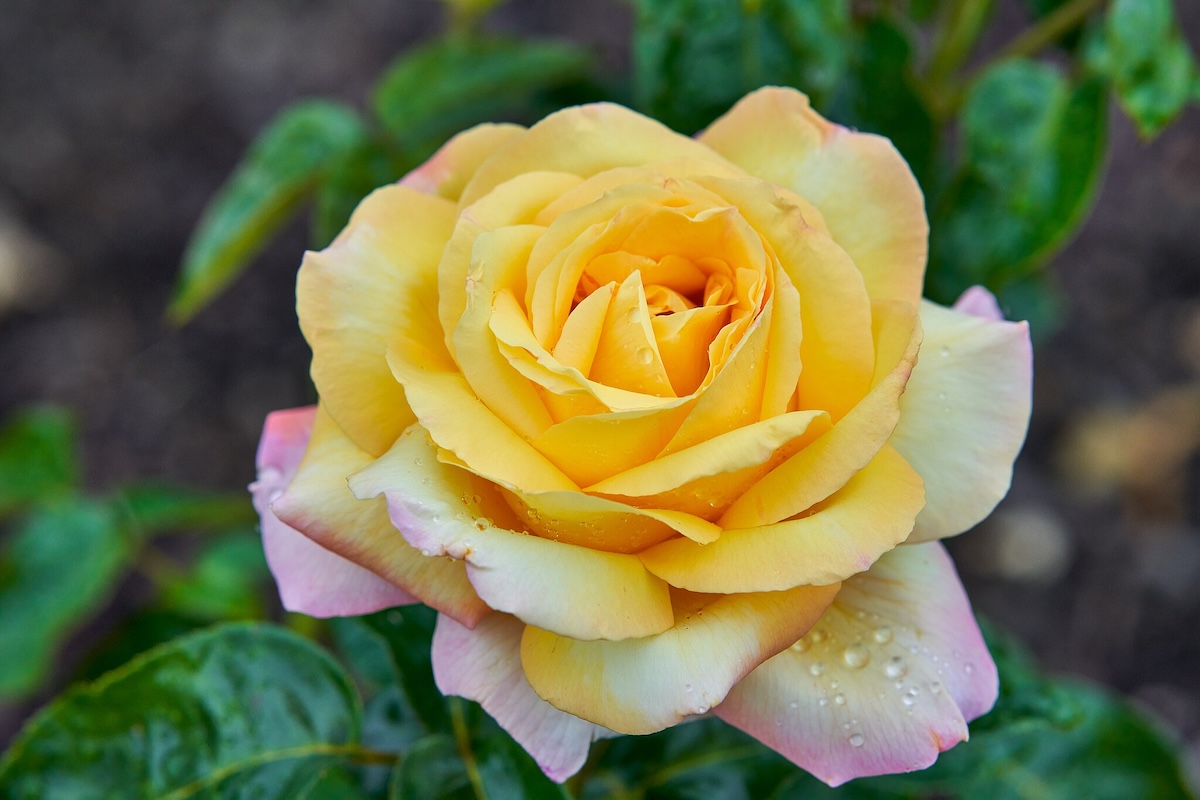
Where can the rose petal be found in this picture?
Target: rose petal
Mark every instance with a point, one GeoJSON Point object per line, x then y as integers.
{"type": "Point", "coordinates": [886, 680]}
{"type": "Point", "coordinates": [350, 297]}
{"type": "Point", "coordinates": [311, 579]}
{"type": "Point", "coordinates": [647, 684]}
{"type": "Point", "coordinates": [484, 665]}
{"type": "Point", "coordinates": [827, 464]}
{"type": "Point", "coordinates": [979, 302]}
{"type": "Point", "coordinates": [585, 140]}
{"type": "Point", "coordinates": [319, 505]}
{"type": "Point", "coordinates": [447, 172]}
{"type": "Point", "coordinates": [964, 415]}
{"type": "Point", "coordinates": [861, 184]}
{"type": "Point", "coordinates": [868, 516]}
{"type": "Point", "coordinates": [442, 509]}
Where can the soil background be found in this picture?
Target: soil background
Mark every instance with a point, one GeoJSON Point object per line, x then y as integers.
{"type": "Point", "coordinates": [120, 118]}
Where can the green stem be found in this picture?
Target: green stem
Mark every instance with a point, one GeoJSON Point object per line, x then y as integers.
{"type": "Point", "coordinates": [1033, 40]}
{"type": "Point", "coordinates": [962, 24]}
{"type": "Point", "coordinates": [462, 737]}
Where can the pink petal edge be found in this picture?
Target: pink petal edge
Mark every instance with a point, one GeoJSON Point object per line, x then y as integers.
{"type": "Point", "coordinates": [484, 665]}
{"type": "Point", "coordinates": [787, 708]}
{"type": "Point", "coordinates": [311, 579]}
{"type": "Point", "coordinates": [979, 302]}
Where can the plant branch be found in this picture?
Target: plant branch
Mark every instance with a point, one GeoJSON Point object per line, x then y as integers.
{"type": "Point", "coordinates": [462, 737]}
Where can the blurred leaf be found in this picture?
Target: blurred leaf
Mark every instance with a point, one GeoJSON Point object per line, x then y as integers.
{"type": "Point", "coordinates": [437, 90]}
{"type": "Point", "coordinates": [281, 169]}
{"type": "Point", "coordinates": [881, 98]}
{"type": "Point", "coordinates": [393, 648]}
{"type": "Point", "coordinates": [432, 770]}
{"type": "Point", "coordinates": [225, 582]}
{"type": "Point", "coordinates": [365, 168]}
{"type": "Point", "coordinates": [57, 569]}
{"type": "Point", "coordinates": [1038, 299]}
{"type": "Point", "coordinates": [38, 457]}
{"type": "Point", "coordinates": [1033, 153]}
{"type": "Point", "coordinates": [1148, 60]}
{"type": "Point", "coordinates": [694, 58]}
{"type": "Point", "coordinates": [156, 508]}
{"type": "Point", "coordinates": [234, 711]}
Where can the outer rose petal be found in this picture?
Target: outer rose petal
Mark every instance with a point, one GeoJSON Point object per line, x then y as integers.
{"type": "Point", "coordinates": [311, 579]}
{"type": "Point", "coordinates": [349, 298]}
{"type": "Point", "coordinates": [887, 679]}
{"type": "Point", "coordinates": [318, 503]}
{"type": "Point", "coordinates": [484, 665]}
{"type": "Point", "coordinates": [979, 302]}
{"type": "Point", "coordinates": [964, 415]}
{"type": "Point", "coordinates": [447, 172]}
{"type": "Point", "coordinates": [645, 685]}
{"type": "Point", "coordinates": [442, 509]}
{"type": "Point", "coordinates": [860, 183]}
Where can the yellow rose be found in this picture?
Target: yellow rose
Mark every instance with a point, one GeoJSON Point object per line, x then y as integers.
{"type": "Point", "coordinates": [661, 426]}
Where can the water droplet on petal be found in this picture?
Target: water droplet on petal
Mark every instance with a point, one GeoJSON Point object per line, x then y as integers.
{"type": "Point", "coordinates": [801, 646]}
{"type": "Point", "coordinates": [895, 667]}
{"type": "Point", "coordinates": [687, 687]}
{"type": "Point", "coordinates": [645, 355]}
{"type": "Point", "coordinates": [839, 699]}
{"type": "Point", "coordinates": [482, 523]}
{"type": "Point", "coordinates": [823, 702]}
{"type": "Point", "coordinates": [883, 635]}
{"type": "Point", "coordinates": [935, 687]}
{"type": "Point", "coordinates": [818, 636]}
{"type": "Point", "coordinates": [857, 740]}
{"type": "Point", "coordinates": [856, 655]}
{"type": "Point", "coordinates": [945, 352]}
{"type": "Point", "coordinates": [418, 461]}
{"type": "Point", "coordinates": [816, 669]}
{"type": "Point", "coordinates": [968, 668]}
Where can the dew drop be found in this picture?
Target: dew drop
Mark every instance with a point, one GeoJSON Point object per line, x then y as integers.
{"type": "Point", "coordinates": [839, 699]}
{"type": "Point", "coordinates": [883, 635]}
{"type": "Point", "coordinates": [968, 668]}
{"type": "Point", "coordinates": [818, 636]}
{"type": "Point", "coordinates": [476, 499]}
{"type": "Point", "coordinates": [823, 702]}
{"type": "Point", "coordinates": [935, 687]}
{"type": "Point", "coordinates": [418, 461]}
{"type": "Point", "coordinates": [910, 697]}
{"type": "Point", "coordinates": [857, 740]}
{"type": "Point", "coordinates": [687, 687]}
{"type": "Point", "coordinates": [482, 523]}
{"type": "Point", "coordinates": [794, 704]}
{"type": "Point", "coordinates": [816, 669]}
{"type": "Point", "coordinates": [945, 352]}
{"type": "Point", "coordinates": [856, 655]}
{"type": "Point", "coordinates": [645, 355]}
{"type": "Point", "coordinates": [427, 553]}
{"type": "Point", "coordinates": [895, 667]}
{"type": "Point", "coordinates": [801, 646]}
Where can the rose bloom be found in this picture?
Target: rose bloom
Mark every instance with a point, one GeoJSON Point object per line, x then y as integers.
{"type": "Point", "coordinates": [662, 427]}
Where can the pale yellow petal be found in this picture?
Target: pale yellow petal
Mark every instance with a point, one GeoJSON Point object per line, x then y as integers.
{"type": "Point", "coordinates": [842, 536]}
{"type": "Point", "coordinates": [350, 298]}
{"type": "Point", "coordinates": [576, 591]}
{"type": "Point", "coordinates": [447, 172]}
{"type": "Point", "coordinates": [964, 415]}
{"type": "Point", "coordinates": [639, 686]}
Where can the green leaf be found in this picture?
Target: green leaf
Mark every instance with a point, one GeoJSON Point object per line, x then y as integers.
{"type": "Point", "coordinates": [157, 508]}
{"type": "Point", "coordinates": [281, 169]}
{"type": "Point", "coordinates": [694, 58]}
{"type": "Point", "coordinates": [224, 583]}
{"type": "Point", "coordinates": [1033, 153]}
{"type": "Point", "coordinates": [393, 648]}
{"type": "Point", "coordinates": [370, 165]}
{"type": "Point", "coordinates": [432, 770]}
{"type": "Point", "coordinates": [237, 711]}
{"type": "Point", "coordinates": [38, 458]}
{"type": "Point", "coordinates": [1149, 61]}
{"type": "Point", "coordinates": [440, 89]}
{"type": "Point", "coordinates": [59, 568]}
{"type": "Point", "coordinates": [136, 634]}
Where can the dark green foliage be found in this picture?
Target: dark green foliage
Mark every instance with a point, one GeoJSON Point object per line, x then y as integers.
{"type": "Point", "coordinates": [238, 711]}
{"type": "Point", "coordinates": [693, 59]}
{"type": "Point", "coordinates": [58, 567]}
{"type": "Point", "coordinates": [37, 457]}
{"type": "Point", "coordinates": [281, 169]}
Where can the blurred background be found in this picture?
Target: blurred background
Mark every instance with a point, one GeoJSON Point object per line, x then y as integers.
{"type": "Point", "coordinates": [120, 118]}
